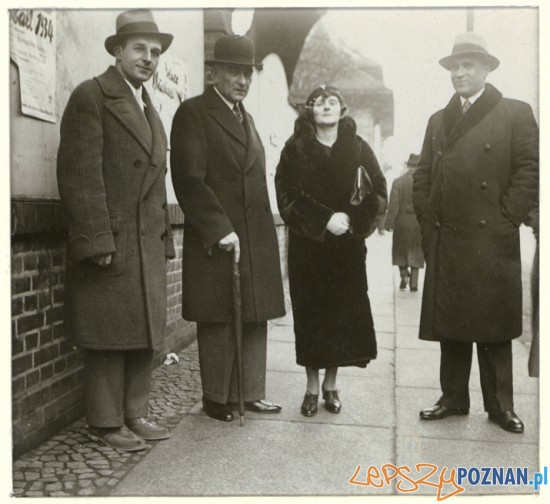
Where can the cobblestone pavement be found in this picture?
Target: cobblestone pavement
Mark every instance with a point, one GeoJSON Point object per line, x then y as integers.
{"type": "Point", "coordinates": [69, 464]}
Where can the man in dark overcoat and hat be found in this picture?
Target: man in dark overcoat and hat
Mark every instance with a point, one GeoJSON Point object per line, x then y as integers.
{"type": "Point", "coordinates": [111, 170]}
{"type": "Point", "coordinates": [218, 170]}
{"type": "Point", "coordinates": [401, 219]}
{"type": "Point", "coordinates": [475, 184]}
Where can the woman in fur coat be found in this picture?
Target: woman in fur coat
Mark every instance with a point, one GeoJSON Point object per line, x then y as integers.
{"type": "Point", "coordinates": [331, 193]}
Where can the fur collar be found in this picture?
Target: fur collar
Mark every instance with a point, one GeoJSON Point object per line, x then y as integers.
{"type": "Point", "coordinates": [456, 123]}
{"type": "Point", "coordinates": [344, 150]}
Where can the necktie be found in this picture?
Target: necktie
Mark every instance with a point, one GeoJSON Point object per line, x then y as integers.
{"type": "Point", "coordinates": [140, 101]}
{"type": "Point", "coordinates": [466, 106]}
{"type": "Point", "coordinates": [238, 113]}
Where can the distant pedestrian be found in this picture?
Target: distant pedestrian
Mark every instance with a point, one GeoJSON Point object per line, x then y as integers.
{"type": "Point", "coordinates": [218, 171]}
{"type": "Point", "coordinates": [475, 184]}
{"type": "Point", "coordinates": [331, 193]}
{"type": "Point", "coordinates": [401, 219]}
{"type": "Point", "coordinates": [111, 175]}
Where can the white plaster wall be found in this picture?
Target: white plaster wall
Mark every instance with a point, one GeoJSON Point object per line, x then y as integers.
{"type": "Point", "coordinates": [81, 55]}
{"type": "Point", "coordinates": [267, 101]}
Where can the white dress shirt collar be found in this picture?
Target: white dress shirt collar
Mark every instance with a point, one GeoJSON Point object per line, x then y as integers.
{"type": "Point", "coordinates": [473, 98]}
{"type": "Point", "coordinates": [225, 100]}
{"type": "Point", "coordinates": [138, 94]}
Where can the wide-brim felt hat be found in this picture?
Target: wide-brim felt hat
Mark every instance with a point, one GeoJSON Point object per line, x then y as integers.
{"type": "Point", "coordinates": [136, 22]}
{"type": "Point", "coordinates": [234, 50]}
{"type": "Point", "coordinates": [470, 44]}
{"type": "Point", "coordinates": [413, 160]}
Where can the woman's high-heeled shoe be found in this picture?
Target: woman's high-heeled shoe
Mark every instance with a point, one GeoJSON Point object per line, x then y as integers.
{"type": "Point", "coordinates": [332, 401]}
{"type": "Point", "coordinates": [309, 405]}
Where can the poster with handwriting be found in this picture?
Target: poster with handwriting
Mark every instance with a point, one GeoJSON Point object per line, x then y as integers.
{"type": "Point", "coordinates": [32, 48]}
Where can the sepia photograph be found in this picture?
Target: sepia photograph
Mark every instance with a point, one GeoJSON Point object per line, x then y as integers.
{"type": "Point", "coordinates": [277, 251]}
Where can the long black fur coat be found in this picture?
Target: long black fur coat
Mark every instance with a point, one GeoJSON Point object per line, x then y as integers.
{"type": "Point", "coordinates": [327, 273]}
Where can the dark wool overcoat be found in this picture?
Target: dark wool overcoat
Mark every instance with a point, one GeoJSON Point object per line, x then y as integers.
{"type": "Point", "coordinates": [333, 321]}
{"type": "Point", "coordinates": [475, 184]}
{"type": "Point", "coordinates": [111, 169]}
{"type": "Point", "coordinates": [218, 172]}
{"type": "Point", "coordinates": [406, 244]}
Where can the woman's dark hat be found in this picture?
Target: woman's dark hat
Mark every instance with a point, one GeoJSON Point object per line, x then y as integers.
{"type": "Point", "coordinates": [325, 91]}
{"type": "Point", "coordinates": [234, 50]}
{"type": "Point", "coordinates": [136, 22]}
{"type": "Point", "coordinates": [470, 44]}
{"type": "Point", "coordinates": [413, 160]}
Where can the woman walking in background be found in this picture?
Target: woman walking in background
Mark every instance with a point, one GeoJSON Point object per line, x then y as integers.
{"type": "Point", "coordinates": [401, 219]}
{"type": "Point", "coordinates": [331, 193]}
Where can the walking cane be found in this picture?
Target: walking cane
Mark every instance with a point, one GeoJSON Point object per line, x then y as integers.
{"type": "Point", "coordinates": [238, 327]}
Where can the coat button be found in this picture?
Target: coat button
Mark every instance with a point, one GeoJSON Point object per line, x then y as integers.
{"type": "Point", "coordinates": [438, 225]}
{"type": "Point", "coordinates": [481, 223]}
{"type": "Point", "coordinates": [137, 163]}
{"type": "Point", "coordinates": [483, 185]}
{"type": "Point", "coordinates": [163, 235]}
{"type": "Point", "coordinates": [487, 147]}
{"type": "Point", "coordinates": [440, 153]}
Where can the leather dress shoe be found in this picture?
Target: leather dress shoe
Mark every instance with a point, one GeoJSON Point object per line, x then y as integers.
{"type": "Point", "coordinates": [332, 401]}
{"type": "Point", "coordinates": [146, 429]}
{"type": "Point", "coordinates": [120, 438]}
{"type": "Point", "coordinates": [217, 410]}
{"type": "Point", "coordinates": [262, 406]}
{"type": "Point", "coordinates": [404, 282]}
{"type": "Point", "coordinates": [508, 421]}
{"type": "Point", "coordinates": [439, 412]}
{"type": "Point", "coordinates": [309, 404]}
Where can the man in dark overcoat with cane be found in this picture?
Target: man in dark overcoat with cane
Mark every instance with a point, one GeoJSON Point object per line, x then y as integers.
{"type": "Point", "coordinates": [218, 171]}
{"type": "Point", "coordinates": [111, 170]}
{"type": "Point", "coordinates": [475, 184]}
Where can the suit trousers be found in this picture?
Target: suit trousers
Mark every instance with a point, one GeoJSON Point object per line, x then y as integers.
{"type": "Point", "coordinates": [495, 370]}
{"type": "Point", "coordinates": [117, 385]}
{"type": "Point", "coordinates": [218, 362]}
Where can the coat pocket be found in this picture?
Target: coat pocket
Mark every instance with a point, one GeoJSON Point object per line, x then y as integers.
{"type": "Point", "coordinates": [118, 259]}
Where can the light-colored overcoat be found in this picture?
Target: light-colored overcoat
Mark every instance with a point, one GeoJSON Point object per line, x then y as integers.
{"type": "Point", "coordinates": [111, 171]}
{"type": "Point", "coordinates": [406, 243]}
{"type": "Point", "coordinates": [476, 181]}
{"type": "Point", "coordinates": [218, 173]}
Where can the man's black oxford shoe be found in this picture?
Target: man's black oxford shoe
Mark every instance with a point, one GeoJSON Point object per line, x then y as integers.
{"type": "Point", "coordinates": [439, 412]}
{"type": "Point", "coordinates": [508, 421]}
{"type": "Point", "coordinates": [262, 407]}
{"type": "Point", "coordinates": [216, 410]}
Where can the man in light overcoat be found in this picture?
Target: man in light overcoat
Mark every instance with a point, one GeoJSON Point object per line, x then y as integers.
{"type": "Point", "coordinates": [401, 219]}
{"type": "Point", "coordinates": [111, 172]}
{"type": "Point", "coordinates": [218, 171]}
{"type": "Point", "coordinates": [475, 184]}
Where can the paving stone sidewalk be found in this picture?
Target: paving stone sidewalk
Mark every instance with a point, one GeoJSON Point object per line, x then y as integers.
{"type": "Point", "coordinates": [69, 464]}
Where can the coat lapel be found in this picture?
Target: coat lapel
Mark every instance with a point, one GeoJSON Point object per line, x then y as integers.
{"type": "Point", "coordinates": [125, 107]}
{"type": "Point", "coordinates": [253, 140]}
{"type": "Point", "coordinates": [221, 113]}
{"type": "Point", "coordinates": [457, 124]}
{"type": "Point", "coordinates": [159, 144]}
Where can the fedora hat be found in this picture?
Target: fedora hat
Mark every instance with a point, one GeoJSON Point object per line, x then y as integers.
{"type": "Point", "coordinates": [413, 160]}
{"type": "Point", "coordinates": [136, 22]}
{"type": "Point", "coordinates": [470, 44]}
{"type": "Point", "coordinates": [235, 50]}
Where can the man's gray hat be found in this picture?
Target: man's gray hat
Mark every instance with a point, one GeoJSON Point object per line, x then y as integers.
{"type": "Point", "coordinates": [136, 22]}
{"type": "Point", "coordinates": [470, 44]}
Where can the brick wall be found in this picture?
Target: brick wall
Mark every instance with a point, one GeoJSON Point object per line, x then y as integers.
{"type": "Point", "coordinates": [46, 369]}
